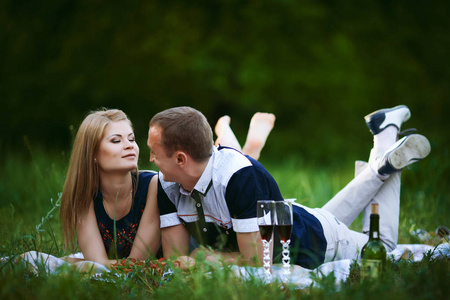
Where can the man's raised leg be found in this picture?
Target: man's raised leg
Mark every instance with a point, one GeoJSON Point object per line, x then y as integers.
{"type": "Point", "coordinates": [348, 203]}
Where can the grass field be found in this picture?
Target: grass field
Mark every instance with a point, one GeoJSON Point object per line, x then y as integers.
{"type": "Point", "coordinates": [29, 189]}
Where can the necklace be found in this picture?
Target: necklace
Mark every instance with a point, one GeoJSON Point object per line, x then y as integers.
{"type": "Point", "coordinates": [119, 213]}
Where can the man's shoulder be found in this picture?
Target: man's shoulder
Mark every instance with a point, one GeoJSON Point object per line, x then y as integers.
{"type": "Point", "coordinates": [227, 162]}
{"type": "Point", "coordinates": [230, 156]}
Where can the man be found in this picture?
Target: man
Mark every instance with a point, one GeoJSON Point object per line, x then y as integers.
{"type": "Point", "coordinates": [211, 192]}
{"type": "Point", "coordinates": [228, 184]}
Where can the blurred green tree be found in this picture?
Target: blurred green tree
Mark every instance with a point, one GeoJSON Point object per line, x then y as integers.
{"type": "Point", "coordinates": [320, 66]}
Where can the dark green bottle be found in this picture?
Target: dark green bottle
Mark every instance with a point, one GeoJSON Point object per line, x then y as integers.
{"type": "Point", "coordinates": [373, 254]}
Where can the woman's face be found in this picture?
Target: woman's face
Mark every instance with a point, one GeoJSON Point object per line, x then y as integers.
{"type": "Point", "coordinates": [118, 151]}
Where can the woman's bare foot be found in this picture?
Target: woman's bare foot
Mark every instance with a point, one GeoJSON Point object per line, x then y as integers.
{"type": "Point", "coordinates": [260, 127]}
{"type": "Point", "coordinates": [225, 136]}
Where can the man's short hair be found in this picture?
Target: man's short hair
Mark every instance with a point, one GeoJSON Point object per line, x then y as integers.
{"type": "Point", "coordinates": [184, 129]}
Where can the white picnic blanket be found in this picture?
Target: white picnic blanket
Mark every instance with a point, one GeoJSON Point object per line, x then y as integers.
{"type": "Point", "coordinates": [301, 277]}
{"type": "Point", "coordinates": [51, 263]}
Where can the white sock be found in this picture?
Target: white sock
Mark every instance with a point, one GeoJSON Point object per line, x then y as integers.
{"type": "Point", "coordinates": [383, 140]}
{"type": "Point", "coordinates": [374, 167]}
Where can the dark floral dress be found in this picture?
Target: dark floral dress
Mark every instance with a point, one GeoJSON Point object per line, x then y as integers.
{"type": "Point", "coordinates": [126, 227]}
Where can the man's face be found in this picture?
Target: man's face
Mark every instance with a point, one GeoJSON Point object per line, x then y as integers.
{"type": "Point", "coordinates": [167, 165]}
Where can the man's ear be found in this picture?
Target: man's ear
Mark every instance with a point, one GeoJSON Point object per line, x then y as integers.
{"type": "Point", "coordinates": [181, 158]}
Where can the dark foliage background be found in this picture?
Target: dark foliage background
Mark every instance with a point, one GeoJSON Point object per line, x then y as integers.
{"type": "Point", "coordinates": [320, 66]}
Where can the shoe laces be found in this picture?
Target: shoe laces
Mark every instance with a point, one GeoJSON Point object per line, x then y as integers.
{"type": "Point", "coordinates": [406, 132]}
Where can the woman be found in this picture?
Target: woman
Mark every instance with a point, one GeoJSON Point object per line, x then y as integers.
{"type": "Point", "coordinates": [106, 203]}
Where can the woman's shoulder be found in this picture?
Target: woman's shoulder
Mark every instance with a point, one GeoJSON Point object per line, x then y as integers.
{"type": "Point", "coordinates": [147, 174]}
{"type": "Point", "coordinates": [145, 177]}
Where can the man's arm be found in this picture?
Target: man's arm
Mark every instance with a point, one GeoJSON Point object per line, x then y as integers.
{"type": "Point", "coordinates": [251, 248]}
{"type": "Point", "coordinates": [243, 190]}
{"type": "Point", "coordinates": [175, 241]}
{"type": "Point", "coordinates": [250, 251]}
{"type": "Point", "coordinates": [174, 235]}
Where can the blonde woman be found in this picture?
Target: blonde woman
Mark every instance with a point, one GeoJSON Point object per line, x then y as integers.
{"type": "Point", "coordinates": [107, 205]}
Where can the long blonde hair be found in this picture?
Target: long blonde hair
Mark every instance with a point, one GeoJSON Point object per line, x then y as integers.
{"type": "Point", "coordinates": [82, 181]}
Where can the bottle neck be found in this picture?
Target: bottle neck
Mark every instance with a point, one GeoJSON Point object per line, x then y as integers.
{"type": "Point", "coordinates": [374, 233]}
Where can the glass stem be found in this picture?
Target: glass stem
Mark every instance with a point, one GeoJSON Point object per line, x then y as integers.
{"type": "Point", "coordinates": [286, 260]}
{"type": "Point", "coordinates": [266, 260]}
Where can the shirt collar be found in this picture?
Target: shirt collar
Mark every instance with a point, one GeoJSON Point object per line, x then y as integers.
{"type": "Point", "coordinates": [204, 183]}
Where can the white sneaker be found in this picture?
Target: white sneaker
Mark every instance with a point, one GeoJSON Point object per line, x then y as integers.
{"type": "Point", "coordinates": [380, 119]}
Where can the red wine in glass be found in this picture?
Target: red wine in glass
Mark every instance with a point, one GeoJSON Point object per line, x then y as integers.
{"type": "Point", "coordinates": [266, 232]}
{"type": "Point", "coordinates": [285, 232]}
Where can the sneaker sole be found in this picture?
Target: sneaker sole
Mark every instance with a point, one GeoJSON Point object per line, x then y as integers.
{"type": "Point", "coordinates": [414, 148]}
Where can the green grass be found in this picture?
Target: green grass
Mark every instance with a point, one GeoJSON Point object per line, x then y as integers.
{"type": "Point", "coordinates": [30, 221]}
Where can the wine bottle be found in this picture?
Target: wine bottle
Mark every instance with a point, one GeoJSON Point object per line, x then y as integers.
{"type": "Point", "coordinates": [373, 254]}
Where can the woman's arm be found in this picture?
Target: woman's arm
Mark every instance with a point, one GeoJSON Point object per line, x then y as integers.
{"type": "Point", "coordinates": [90, 240]}
{"type": "Point", "coordinates": [148, 236]}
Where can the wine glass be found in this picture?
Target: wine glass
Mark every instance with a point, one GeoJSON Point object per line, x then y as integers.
{"type": "Point", "coordinates": [283, 221]}
{"type": "Point", "coordinates": [265, 212]}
